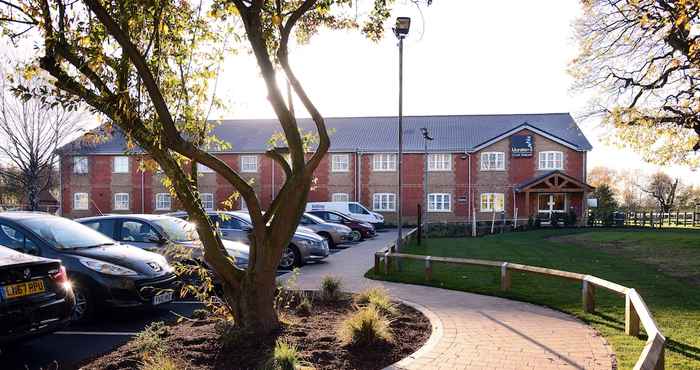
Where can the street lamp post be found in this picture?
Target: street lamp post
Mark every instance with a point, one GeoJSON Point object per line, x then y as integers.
{"type": "Point", "coordinates": [403, 24]}
{"type": "Point", "coordinates": [426, 139]}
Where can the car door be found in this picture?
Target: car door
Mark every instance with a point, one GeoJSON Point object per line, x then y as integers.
{"type": "Point", "coordinates": [139, 234]}
{"type": "Point", "coordinates": [233, 228]}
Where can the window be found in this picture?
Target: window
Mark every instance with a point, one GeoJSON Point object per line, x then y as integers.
{"type": "Point", "coordinates": [340, 163]}
{"type": "Point", "coordinates": [121, 164]}
{"type": "Point", "coordinates": [492, 202]}
{"type": "Point", "coordinates": [208, 201]}
{"type": "Point", "coordinates": [384, 202]}
{"type": "Point", "coordinates": [357, 209]}
{"type": "Point", "coordinates": [80, 165]}
{"type": "Point", "coordinates": [340, 197]}
{"type": "Point", "coordinates": [249, 163]}
{"type": "Point", "coordinates": [231, 223]}
{"type": "Point", "coordinates": [439, 202]}
{"type": "Point", "coordinates": [551, 160]}
{"type": "Point", "coordinates": [163, 201]}
{"type": "Point", "coordinates": [203, 169]}
{"type": "Point", "coordinates": [138, 232]}
{"type": "Point", "coordinates": [384, 162]}
{"type": "Point", "coordinates": [80, 201]}
{"type": "Point", "coordinates": [121, 201]}
{"type": "Point", "coordinates": [439, 162]}
{"type": "Point", "coordinates": [15, 239]}
{"type": "Point", "coordinates": [493, 161]}
{"type": "Point", "coordinates": [103, 226]}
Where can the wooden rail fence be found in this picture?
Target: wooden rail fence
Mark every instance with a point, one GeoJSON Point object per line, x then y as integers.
{"type": "Point", "coordinates": [636, 311]}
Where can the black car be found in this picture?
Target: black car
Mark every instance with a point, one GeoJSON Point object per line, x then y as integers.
{"type": "Point", "coordinates": [35, 296]}
{"type": "Point", "coordinates": [102, 271]}
{"type": "Point", "coordinates": [360, 230]}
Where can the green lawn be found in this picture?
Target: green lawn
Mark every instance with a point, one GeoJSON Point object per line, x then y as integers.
{"type": "Point", "coordinates": [663, 266]}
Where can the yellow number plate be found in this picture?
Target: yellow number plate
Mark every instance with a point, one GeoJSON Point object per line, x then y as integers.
{"type": "Point", "coordinates": [24, 289]}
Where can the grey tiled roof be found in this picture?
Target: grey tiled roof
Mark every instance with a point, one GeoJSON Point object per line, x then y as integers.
{"type": "Point", "coordinates": [379, 134]}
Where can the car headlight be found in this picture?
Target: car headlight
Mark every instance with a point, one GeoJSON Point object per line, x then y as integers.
{"type": "Point", "coordinates": [106, 267]}
{"type": "Point", "coordinates": [165, 265]}
{"type": "Point", "coordinates": [310, 242]}
{"type": "Point", "coordinates": [342, 229]}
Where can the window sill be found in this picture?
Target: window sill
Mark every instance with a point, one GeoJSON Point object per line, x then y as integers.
{"type": "Point", "coordinates": [436, 211]}
{"type": "Point", "coordinates": [340, 171]}
{"type": "Point", "coordinates": [493, 169]}
{"type": "Point", "coordinates": [373, 170]}
{"type": "Point", "coordinates": [384, 210]}
{"type": "Point", "coordinates": [249, 171]}
{"type": "Point", "coordinates": [434, 170]}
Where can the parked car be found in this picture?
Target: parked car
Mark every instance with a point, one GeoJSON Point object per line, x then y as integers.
{"type": "Point", "coordinates": [360, 230]}
{"type": "Point", "coordinates": [166, 235]}
{"type": "Point", "coordinates": [352, 209]}
{"type": "Point", "coordinates": [102, 271]}
{"type": "Point", "coordinates": [333, 233]}
{"type": "Point", "coordinates": [35, 295]}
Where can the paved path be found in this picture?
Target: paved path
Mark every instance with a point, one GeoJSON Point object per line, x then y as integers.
{"type": "Point", "coordinates": [475, 331]}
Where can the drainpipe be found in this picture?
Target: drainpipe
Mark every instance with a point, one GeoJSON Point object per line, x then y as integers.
{"type": "Point", "coordinates": [469, 186]}
{"type": "Point", "coordinates": [60, 186]}
{"type": "Point", "coordinates": [143, 194]}
{"type": "Point", "coordinates": [358, 173]}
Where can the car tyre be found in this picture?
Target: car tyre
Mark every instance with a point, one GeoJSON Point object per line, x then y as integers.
{"type": "Point", "coordinates": [329, 239]}
{"type": "Point", "coordinates": [291, 258]}
{"type": "Point", "coordinates": [356, 235]}
{"type": "Point", "coordinates": [84, 309]}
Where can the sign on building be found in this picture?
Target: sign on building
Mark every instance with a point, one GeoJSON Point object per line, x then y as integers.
{"type": "Point", "coordinates": [521, 146]}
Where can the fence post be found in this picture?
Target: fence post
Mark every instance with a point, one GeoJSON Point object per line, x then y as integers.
{"type": "Point", "coordinates": [515, 219]}
{"type": "Point", "coordinates": [420, 224]}
{"type": "Point", "coordinates": [505, 277]}
{"type": "Point", "coordinates": [631, 318]}
{"type": "Point", "coordinates": [493, 220]}
{"type": "Point", "coordinates": [428, 269]}
{"type": "Point", "coordinates": [376, 263]}
{"type": "Point", "coordinates": [387, 262]}
{"type": "Point", "coordinates": [588, 296]}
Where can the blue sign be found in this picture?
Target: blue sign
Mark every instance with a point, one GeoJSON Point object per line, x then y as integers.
{"type": "Point", "coordinates": [521, 146]}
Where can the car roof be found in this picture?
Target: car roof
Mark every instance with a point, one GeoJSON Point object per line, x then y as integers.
{"type": "Point", "coordinates": [23, 215]}
{"type": "Point", "coordinates": [10, 256]}
{"type": "Point", "coordinates": [145, 217]}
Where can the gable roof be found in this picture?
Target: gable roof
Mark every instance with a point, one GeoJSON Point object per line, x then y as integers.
{"type": "Point", "coordinates": [534, 181]}
{"type": "Point", "coordinates": [459, 133]}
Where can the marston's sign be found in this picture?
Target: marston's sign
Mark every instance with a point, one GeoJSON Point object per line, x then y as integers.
{"type": "Point", "coordinates": [521, 146]}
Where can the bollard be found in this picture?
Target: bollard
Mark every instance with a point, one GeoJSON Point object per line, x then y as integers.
{"type": "Point", "coordinates": [588, 296]}
{"type": "Point", "coordinates": [505, 277]}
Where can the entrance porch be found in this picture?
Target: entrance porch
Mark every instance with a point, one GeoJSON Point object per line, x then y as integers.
{"type": "Point", "coordinates": [552, 194]}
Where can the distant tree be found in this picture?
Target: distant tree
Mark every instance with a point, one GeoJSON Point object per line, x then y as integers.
{"type": "Point", "coordinates": [643, 60]}
{"type": "Point", "coordinates": [10, 190]}
{"type": "Point", "coordinates": [602, 175]}
{"type": "Point", "coordinates": [663, 189]}
{"type": "Point", "coordinates": [606, 203]}
{"type": "Point", "coordinates": [688, 197]}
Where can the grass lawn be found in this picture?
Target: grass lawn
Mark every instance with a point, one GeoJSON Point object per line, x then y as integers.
{"type": "Point", "coordinates": [663, 266]}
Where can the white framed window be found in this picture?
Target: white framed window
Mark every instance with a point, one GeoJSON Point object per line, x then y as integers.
{"type": "Point", "coordinates": [207, 201]}
{"type": "Point", "coordinates": [493, 161]}
{"type": "Point", "coordinates": [203, 169]}
{"type": "Point", "coordinates": [121, 164]}
{"type": "Point", "coordinates": [439, 202]}
{"type": "Point", "coordinates": [163, 201]}
{"type": "Point", "coordinates": [384, 162]}
{"type": "Point", "coordinates": [121, 201]}
{"type": "Point", "coordinates": [249, 163]}
{"type": "Point", "coordinates": [80, 165]}
{"type": "Point", "coordinates": [439, 162]}
{"type": "Point", "coordinates": [384, 202]}
{"type": "Point", "coordinates": [492, 202]}
{"type": "Point", "coordinates": [551, 160]}
{"type": "Point", "coordinates": [80, 201]}
{"type": "Point", "coordinates": [340, 197]}
{"type": "Point", "coordinates": [340, 163]}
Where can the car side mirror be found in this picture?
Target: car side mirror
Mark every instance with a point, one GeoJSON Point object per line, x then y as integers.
{"type": "Point", "coordinates": [157, 240]}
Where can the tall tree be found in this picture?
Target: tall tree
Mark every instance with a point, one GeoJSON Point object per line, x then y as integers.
{"type": "Point", "coordinates": [663, 189]}
{"type": "Point", "coordinates": [642, 58]}
{"type": "Point", "coordinates": [31, 129]}
{"type": "Point", "coordinates": [132, 61]}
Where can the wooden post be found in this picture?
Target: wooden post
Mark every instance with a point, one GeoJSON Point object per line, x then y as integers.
{"type": "Point", "coordinates": [515, 219]}
{"type": "Point", "coordinates": [474, 233]}
{"type": "Point", "coordinates": [505, 277]}
{"type": "Point", "coordinates": [588, 296]}
{"type": "Point", "coordinates": [428, 269]}
{"type": "Point", "coordinates": [631, 318]}
{"type": "Point", "coordinates": [493, 220]}
{"type": "Point", "coordinates": [387, 262]}
{"type": "Point", "coordinates": [377, 261]}
{"type": "Point", "coordinates": [661, 365]}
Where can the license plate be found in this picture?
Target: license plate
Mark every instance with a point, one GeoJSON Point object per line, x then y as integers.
{"type": "Point", "coordinates": [161, 298]}
{"type": "Point", "coordinates": [24, 289]}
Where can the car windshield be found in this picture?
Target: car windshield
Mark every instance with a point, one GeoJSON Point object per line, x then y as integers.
{"type": "Point", "coordinates": [245, 217]}
{"type": "Point", "coordinates": [314, 218]}
{"type": "Point", "coordinates": [177, 230]}
{"type": "Point", "coordinates": [63, 233]}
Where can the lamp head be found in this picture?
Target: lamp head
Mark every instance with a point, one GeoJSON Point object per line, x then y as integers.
{"type": "Point", "coordinates": [403, 24]}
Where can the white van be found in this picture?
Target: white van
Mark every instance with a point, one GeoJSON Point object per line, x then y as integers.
{"type": "Point", "coordinates": [352, 209]}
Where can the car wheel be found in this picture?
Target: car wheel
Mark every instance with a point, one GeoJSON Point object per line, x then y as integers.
{"type": "Point", "coordinates": [84, 304]}
{"type": "Point", "coordinates": [291, 258]}
{"type": "Point", "coordinates": [356, 235]}
{"type": "Point", "coordinates": [329, 239]}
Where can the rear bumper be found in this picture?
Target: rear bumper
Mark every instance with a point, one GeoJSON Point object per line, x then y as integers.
{"type": "Point", "coordinates": [31, 320]}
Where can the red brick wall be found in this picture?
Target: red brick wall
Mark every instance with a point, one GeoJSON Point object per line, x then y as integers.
{"type": "Point", "coordinates": [100, 180]}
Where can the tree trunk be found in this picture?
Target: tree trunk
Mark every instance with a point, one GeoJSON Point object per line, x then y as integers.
{"type": "Point", "coordinates": [253, 304]}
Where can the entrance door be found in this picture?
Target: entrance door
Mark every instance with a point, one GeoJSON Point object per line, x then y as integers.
{"type": "Point", "coordinates": [549, 203]}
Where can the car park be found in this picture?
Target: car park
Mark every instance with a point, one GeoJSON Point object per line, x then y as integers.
{"type": "Point", "coordinates": [35, 295]}
{"type": "Point", "coordinates": [333, 233]}
{"type": "Point", "coordinates": [170, 236]}
{"type": "Point", "coordinates": [360, 230]}
{"type": "Point", "coordinates": [352, 209]}
{"type": "Point", "coordinates": [102, 271]}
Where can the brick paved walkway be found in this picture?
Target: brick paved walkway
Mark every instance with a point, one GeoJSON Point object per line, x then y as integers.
{"type": "Point", "coordinates": [474, 331]}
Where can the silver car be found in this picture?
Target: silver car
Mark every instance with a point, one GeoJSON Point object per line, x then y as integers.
{"type": "Point", "coordinates": [334, 233]}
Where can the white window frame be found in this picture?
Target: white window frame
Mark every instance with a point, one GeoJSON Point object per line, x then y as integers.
{"type": "Point", "coordinates": [119, 203]}
{"type": "Point", "coordinates": [340, 163]}
{"type": "Point", "coordinates": [203, 169]}
{"type": "Point", "coordinates": [81, 207]}
{"type": "Point", "coordinates": [160, 202]}
{"type": "Point", "coordinates": [548, 160]}
{"type": "Point", "coordinates": [207, 199]}
{"type": "Point", "coordinates": [80, 169]}
{"type": "Point", "coordinates": [340, 197]}
{"type": "Point", "coordinates": [493, 161]}
{"type": "Point", "coordinates": [439, 162]}
{"type": "Point", "coordinates": [492, 203]}
{"type": "Point", "coordinates": [439, 202]}
{"type": "Point", "coordinates": [384, 202]}
{"type": "Point", "coordinates": [384, 162]}
{"type": "Point", "coordinates": [120, 164]}
{"type": "Point", "coordinates": [249, 166]}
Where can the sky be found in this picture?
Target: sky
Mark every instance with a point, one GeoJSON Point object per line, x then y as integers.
{"type": "Point", "coordinates": [463, 57]}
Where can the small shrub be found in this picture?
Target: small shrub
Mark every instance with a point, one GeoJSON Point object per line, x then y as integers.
{"type": "Point", "coordinates": [365, 327]}
{"type": "Point", "coordinates": [330, 288]}
{"type": "Point", "coordinates": [304, 306]}
{"type": "Point", "coordinates": [284, 357]}
{"type": "Point", "coordinates": [377, 297]}
{"type": "Point", "coordinates": [200, 314]}
{"type": "Point", "coordinates": [158, 362]}
{"type": "Point", "coordinates": [538, 223]}
{"type": "Point", "coordinates": [151, 341]}
{"type": "Point", "coordinates": [530, 222]}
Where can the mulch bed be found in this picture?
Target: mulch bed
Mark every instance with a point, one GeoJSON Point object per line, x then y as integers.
{"type": "Point", "coordinates": [199, 344]}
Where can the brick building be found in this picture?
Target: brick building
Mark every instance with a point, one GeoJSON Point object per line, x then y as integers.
{"type": "Point", "coordinates": [478, 165]}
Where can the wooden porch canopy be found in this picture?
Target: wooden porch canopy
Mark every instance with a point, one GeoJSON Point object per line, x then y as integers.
{"type": "Point", "coordinates": [552, 182]}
